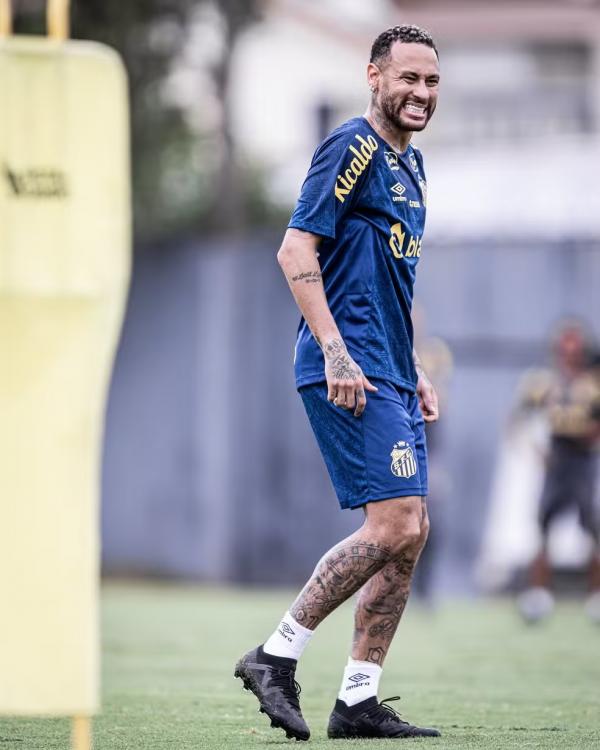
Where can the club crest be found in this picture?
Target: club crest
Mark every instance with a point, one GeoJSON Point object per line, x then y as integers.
{"type": "Point", "coordinates": [392, 160]}
{"type": "Point", "coordinates": [403, 460]}
{"type": "Point", "coordinates": [413, 162]}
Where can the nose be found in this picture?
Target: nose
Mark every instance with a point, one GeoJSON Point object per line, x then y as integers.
{"type": "Point", "coordinates": [420, 91]}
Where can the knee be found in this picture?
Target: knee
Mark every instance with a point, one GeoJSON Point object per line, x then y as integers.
{"type": "Point", "coordinates": [406, 536]}
{"type": "Point", "coordinates": [399, 526]}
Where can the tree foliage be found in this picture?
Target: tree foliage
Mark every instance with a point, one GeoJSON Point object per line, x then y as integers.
{"type": "Point", "coordinates": [183, 178]}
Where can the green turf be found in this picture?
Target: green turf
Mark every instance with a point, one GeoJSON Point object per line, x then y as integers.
{"type": "Point", "coordinates": [471, 669]}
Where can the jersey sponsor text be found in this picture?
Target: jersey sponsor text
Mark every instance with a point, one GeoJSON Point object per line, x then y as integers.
{"type": "Point", "coordinates": [362, 157]}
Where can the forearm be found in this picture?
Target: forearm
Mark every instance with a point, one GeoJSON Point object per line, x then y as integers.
{"type": "Point", "coordinates": [418, 363]}
{"type": "Point", "coordinates": [298, 260]}
{"type": "Point", "coordinates": [428, 400]}
{"type": "Point", "coordinates": [346, 383]}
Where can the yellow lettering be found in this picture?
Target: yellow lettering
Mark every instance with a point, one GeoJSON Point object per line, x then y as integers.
{"type": "Point", "coordinates": [340, 193]}
{"type": "Point", "coordinates": [344, 183]}
{"type": "Point", "coordinates": [357, 166]}
{"type": "Point", "coordinates": [365, 148]}
{"type": "Point", "coordinates": [397, 240]}
{"type": "Point", "coordinates": [359, 156]}
{"type": "Point", "coordinates": [350, 177]}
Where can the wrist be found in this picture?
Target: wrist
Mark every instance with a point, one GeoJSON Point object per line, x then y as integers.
{"type": "Point", "coordinates": [331, 343]}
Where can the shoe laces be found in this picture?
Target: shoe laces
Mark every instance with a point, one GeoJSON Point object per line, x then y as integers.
{"type": "Point", "coordinates": [283, 677]}
{"type": "Point", "coordinates": [382, 712]}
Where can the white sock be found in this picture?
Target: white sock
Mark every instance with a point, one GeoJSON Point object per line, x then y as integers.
{"type": "Point", "coordinates": [360, 681]}
{"type": "Point", "coordinates": [289, 639]}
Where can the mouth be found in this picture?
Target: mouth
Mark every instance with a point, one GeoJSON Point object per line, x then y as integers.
{"type": "Point", "coordinates": [415, 111]}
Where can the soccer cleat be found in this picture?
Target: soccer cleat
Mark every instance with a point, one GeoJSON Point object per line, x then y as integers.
{"type": "Point", "coordinates": [271, 679]}
{"type": "Point", "coordinates": [370, 719]}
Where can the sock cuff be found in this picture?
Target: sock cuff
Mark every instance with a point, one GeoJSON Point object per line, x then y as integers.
{"type": "Point", "coordinates": [296, 625]}
{"type": "Point", "coordinates": [364, 665]}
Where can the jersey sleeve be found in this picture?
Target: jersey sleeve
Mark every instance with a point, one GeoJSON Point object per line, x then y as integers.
{"type": "Point", "coordinates": [337, 174]}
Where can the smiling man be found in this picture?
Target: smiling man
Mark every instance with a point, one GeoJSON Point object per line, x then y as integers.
{"type": "Point", "coordinates": [350, 257]}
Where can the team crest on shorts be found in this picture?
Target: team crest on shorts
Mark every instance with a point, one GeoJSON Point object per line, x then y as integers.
{"type": "Point", "coordinates": [403, 460]}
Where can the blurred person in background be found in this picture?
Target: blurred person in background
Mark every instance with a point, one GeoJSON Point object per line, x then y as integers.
{"type": "Point", "coordinates": [570, 398]}
{"type": "Point", "coordinates": [350, 256]}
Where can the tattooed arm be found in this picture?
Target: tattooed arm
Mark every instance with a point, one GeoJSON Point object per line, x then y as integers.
{"type": "Point", "coordinates": [428, 400]}
{"type": "Point", "coordinates": [345, 380]}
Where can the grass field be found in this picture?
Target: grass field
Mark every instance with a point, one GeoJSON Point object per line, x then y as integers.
{"type": "Point", "coordinates": [471, 669]}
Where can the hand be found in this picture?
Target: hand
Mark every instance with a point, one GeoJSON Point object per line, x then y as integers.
{"type": "Point", "coordinates": [428, 400]}
{"type": "Point", "coordinates": [346, 383]}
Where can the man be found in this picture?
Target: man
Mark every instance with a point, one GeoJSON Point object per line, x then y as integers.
{"type": "Point", "coordinates": [570, 398]}
{"type": "Point", "coordinates": [349, 255]}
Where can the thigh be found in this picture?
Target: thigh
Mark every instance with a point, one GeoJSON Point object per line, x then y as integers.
{"type": "Point", "coordinates": [373, 457]}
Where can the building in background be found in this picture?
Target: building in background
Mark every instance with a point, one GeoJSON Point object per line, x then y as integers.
{"type": "Point", "coordinates": [517, 125]}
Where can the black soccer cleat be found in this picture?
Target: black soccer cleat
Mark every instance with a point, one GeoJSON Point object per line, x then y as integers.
{"type": "Point", "coordinates": [371, 719]}
{"type": "Point", "coordinates": [271, 679]}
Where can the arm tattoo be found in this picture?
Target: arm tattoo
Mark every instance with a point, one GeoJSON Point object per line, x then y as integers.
{"type": "Point", "coordinates": [338, 575]}
{"type": "Point", "coordinates": [334, 348]}
{"type": "Point", "coordinates": [308, 277]}
{"type": "Point", "coordinates": [342, 365]}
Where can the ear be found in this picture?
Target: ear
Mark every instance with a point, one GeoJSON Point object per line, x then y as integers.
{"type": "Point", "coordinates": [373, 74]}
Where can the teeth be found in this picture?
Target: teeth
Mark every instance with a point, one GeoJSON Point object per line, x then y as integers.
{"type": "Point", "coordinates": [414, 108]}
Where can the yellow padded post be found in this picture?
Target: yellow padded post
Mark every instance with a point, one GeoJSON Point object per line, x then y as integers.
{"type": "Point", "coordinates": [5, 18]}
{"type": "Point", "coordinates": [81, 733]}
{"type": "Point", "coordinates": [58, 19]}
{"type": "Point", "coordinates": [65, 230]}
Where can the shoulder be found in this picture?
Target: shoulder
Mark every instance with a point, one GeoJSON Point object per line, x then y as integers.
{"type": "Point", "coordinates": [353, 135]}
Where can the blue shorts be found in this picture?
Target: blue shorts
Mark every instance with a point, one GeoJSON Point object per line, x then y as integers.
{"type": "Point", "coordinates": [376, 456]}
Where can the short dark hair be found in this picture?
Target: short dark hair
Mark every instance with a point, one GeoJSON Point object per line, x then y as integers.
{"type": "Point", "coordinates": [408, 34]}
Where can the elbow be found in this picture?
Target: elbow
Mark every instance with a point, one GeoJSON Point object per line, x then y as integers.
{"type": "Point", "coordinates": [283, 256]}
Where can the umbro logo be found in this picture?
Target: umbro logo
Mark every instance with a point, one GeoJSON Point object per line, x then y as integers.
{"type": "Point", "coordinates": [398, 189]}
{"type": "Point", "coordinates": [285, 631]}
{"type": "Point", "coordinates": [359, 677]}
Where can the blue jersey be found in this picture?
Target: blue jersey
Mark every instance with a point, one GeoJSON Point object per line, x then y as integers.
{"type": "Point", "coordinates": [367, 201]}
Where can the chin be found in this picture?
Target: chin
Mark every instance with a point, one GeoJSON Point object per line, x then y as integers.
{"type": "Point", "coordinates": [418, 128]}
{"type": "Point", "coordinates": [414, 127]}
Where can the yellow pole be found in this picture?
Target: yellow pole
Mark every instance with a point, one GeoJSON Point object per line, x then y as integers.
{"type": "Point", "coordinates": [5, 18]}
{"type": "Point", "coordinates": [81, 733]}
{"type": "Point", "coordinates": [58, 19]}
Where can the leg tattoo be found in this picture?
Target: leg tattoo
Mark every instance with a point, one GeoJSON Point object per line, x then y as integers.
{"type": "Point", "coordinates": [380, 607]}
{"type": "Point", "coordinates": [338, 575]}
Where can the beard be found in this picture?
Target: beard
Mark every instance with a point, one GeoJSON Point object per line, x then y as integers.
{"type": "Point", "coordinates": [392, 111]}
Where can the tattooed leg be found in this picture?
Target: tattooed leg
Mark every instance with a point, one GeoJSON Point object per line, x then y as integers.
{"type": "Point", "coordinates": [388, 530]}
{"type": "Point", "coordinates": [381, 603]}
{"type": "Point", "coordinates": [338, 575]}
